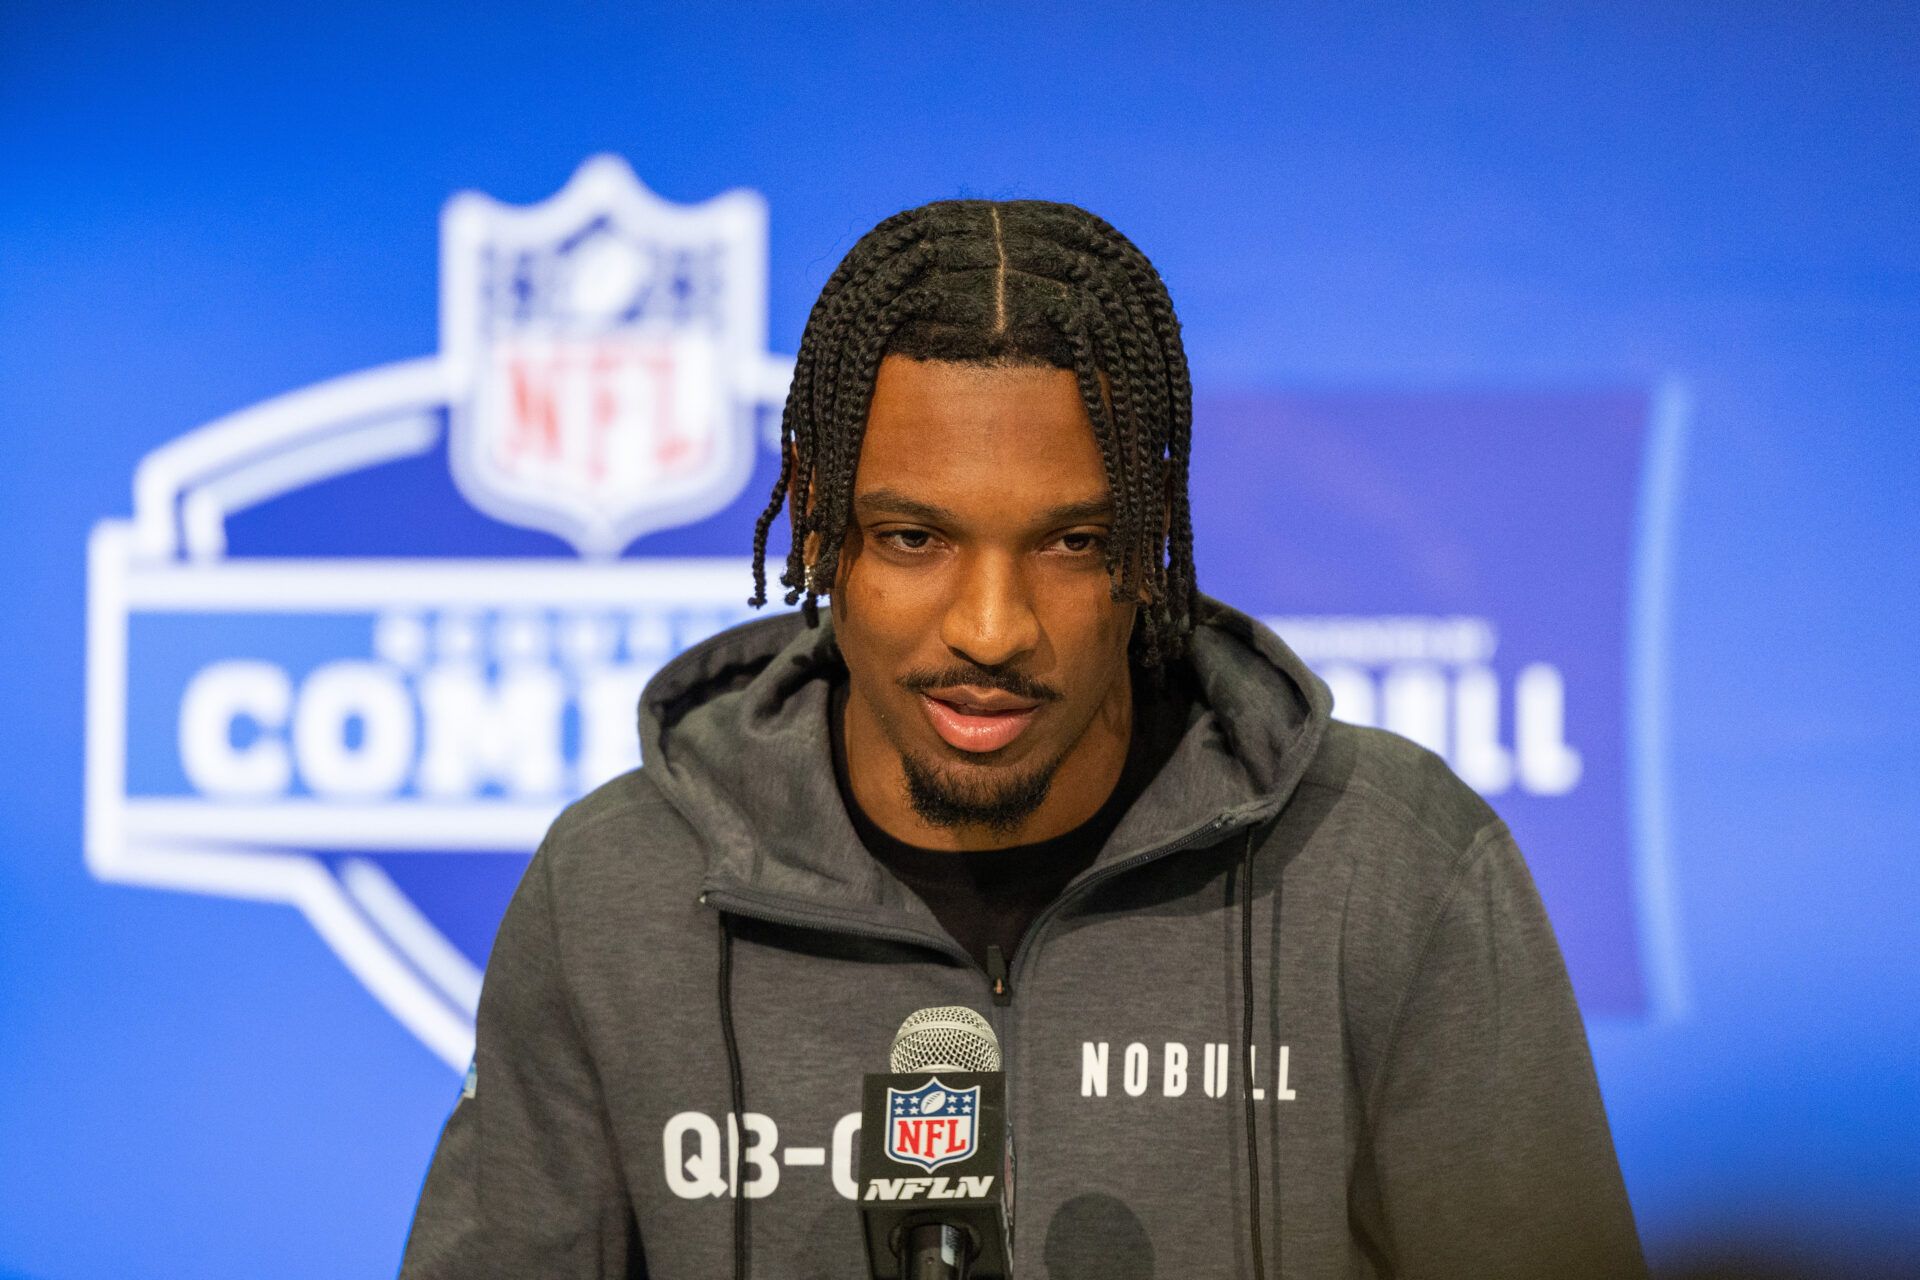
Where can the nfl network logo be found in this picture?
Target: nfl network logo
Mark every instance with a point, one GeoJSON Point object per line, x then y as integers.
{"type": "Point", "coordinates": [382, 740]}
{"type": "Point", "coordinates": [931, 1126]}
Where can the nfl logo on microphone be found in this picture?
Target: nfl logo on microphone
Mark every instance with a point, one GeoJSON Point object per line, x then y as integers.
{"type": "Point", "coordinates": [931, 1126]}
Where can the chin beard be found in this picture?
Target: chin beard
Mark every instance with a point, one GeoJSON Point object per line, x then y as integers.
{"type": "Point", "coordinates": [998, 804]}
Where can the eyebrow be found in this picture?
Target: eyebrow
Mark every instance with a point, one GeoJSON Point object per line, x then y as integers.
{"type": "Point", "coordinates": [879, 502]}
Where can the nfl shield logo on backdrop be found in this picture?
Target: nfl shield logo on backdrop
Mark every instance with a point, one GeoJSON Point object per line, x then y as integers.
{"type": "Point", "coordinates": [596, 343]}
{"type": "Point", "coordinates": [301, 693]}
{"type": "Point", "coordinates": [932, 1125]}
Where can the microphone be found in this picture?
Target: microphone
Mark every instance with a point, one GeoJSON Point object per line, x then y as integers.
{"type": "Point", "coordinates": [936, 1161]}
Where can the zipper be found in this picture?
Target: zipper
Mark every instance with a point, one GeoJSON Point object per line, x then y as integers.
{"type": "Point", "coordinates": [1001, 979]}
{"type": "Point", "coordinates": [1198, 835]}
{"type": "Point", "coordinates": [997, 976]}
{"type": "Point", "coordinates": [1000, 976]}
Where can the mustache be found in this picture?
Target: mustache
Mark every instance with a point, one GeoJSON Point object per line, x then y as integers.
{"type": "Point", "coordinates": [1003, 679]}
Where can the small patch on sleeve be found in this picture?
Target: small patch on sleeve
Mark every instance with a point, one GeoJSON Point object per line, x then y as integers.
{"type": "Point", "coordinates": [471, 1084]}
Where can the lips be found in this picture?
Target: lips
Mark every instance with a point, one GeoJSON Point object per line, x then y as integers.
{"type": "Point", "coordinates": [977, 723]}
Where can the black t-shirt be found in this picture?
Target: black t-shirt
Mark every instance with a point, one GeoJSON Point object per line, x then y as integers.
{"type": "Point", "coordinates": [989, 897]}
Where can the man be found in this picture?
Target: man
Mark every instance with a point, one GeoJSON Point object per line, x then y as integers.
{"type": "Point", "coordinates": [1276, 994]}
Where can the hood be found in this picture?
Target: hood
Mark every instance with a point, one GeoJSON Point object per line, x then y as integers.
{"type": "Point", "coordinates": [734, 734]}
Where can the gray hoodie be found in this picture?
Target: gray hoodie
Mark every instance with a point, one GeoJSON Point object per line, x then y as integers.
{"type": "Point", "coordinates": [1423, 1101]}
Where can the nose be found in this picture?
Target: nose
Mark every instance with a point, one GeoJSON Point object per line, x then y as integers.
{"type": "Point", "coordinates": [990, 619]}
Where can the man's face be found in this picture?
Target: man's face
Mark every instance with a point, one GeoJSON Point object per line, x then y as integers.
{"type": "Point", "coordinates": [987, 658]}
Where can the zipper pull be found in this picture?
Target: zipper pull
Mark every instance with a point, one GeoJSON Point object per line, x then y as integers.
{"type": "Point", "coordinates": [997, 976]}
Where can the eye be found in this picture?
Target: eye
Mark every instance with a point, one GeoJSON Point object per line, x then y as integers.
{"type": "Point", "coordinates": [905, 539]}
{"type": "Point", "coordinates": [1081, 543]}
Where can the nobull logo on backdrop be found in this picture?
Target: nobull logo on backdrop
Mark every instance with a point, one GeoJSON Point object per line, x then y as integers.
{"type": "Point", "coordinates": [360, 643]}
{"type": "Point", "coordinates": [1484, 574]}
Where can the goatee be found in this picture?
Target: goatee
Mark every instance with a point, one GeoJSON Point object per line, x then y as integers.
{"type": "Point", "coordinates": [999, 805]}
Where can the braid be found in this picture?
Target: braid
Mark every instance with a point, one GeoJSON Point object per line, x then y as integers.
{"type": "Point", "coordinates": [1141, 391]}
{"type": "Point", "coordinates": [1109, 409]}
{"type": "Point", "coordinates": [1019, 282]}
{"type": "Point", "coordinates": [832, 514]}
{"type": "Point", "coordinates": [1093, 396]}
{"type": "Point", "coordinates": [1146, 285]}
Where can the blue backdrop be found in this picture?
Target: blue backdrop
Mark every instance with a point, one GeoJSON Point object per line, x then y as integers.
{"type": "Point", "coordinates": [1555, 372]}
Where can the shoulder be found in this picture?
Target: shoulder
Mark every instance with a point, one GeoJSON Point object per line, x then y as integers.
{"type": "Point", "coordinates": [1386, 838]}
{"type": "Point", "coordinates": [614, 806]}
{"type": "Point", "coordinates": [623, 832]}
{"type": "Point", "coordinates": [1388, 822]}
{"type": "Point", "coordinates": [1393, 794]}
{"type": "Point", "coordinates": [607, 918]}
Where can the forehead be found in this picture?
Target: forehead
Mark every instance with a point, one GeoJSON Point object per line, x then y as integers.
{"type": "Point", "coordinates": [979, 436]}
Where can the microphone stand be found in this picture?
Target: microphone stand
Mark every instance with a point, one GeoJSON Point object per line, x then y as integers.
{"type": "Point", "coordinates": [934, 1251]}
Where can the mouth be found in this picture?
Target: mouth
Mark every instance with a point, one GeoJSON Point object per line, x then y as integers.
{"type": "Point", "coordinates": [977, 721]}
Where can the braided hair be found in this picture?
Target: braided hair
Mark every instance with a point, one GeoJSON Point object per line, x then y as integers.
{"type": "Point", "coordinates": [999, 283]}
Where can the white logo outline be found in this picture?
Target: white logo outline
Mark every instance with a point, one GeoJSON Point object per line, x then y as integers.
{"type": "Point", "coordinates": [171, 555]}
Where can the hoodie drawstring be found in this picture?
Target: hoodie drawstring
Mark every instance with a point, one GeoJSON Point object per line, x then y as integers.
{"type": "Point", "coordinates": [1246, 1028]}
{"type": "Point", "coordinates": [737, 1100]}
{"type": "Point", "coordinates": [736, 1085]}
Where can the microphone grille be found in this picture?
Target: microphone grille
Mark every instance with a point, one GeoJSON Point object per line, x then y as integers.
{"type": "Point", "coordinates": [947, 1038]}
